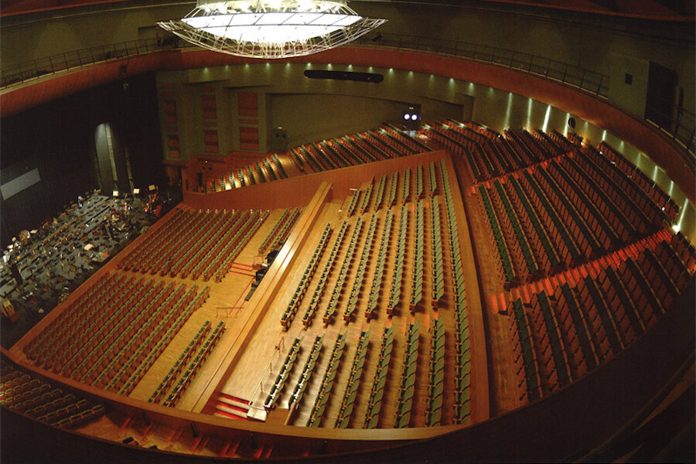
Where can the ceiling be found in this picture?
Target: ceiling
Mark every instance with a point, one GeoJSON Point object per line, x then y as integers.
{"type": "Point", "coordinates": [670, 10]}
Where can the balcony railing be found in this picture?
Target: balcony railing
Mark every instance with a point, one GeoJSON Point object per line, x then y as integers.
{"type": "Point", "coordinates": [681, 129]}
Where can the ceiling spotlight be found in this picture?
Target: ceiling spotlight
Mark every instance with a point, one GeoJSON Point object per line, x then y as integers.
{"type": "Point", "coordinates": [414, 117]}
{"type": "Point", "coordinates": [407, 117]}
{"type": "Point", "coordinates": [271, 28]}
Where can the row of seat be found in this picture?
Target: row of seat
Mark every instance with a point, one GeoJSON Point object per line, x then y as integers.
{"type": "Point", "coordinates": [353, 203]}
{"type": "Point", "coordinates": [508, 272]}
{"type": "Point", "coordinates": [417, 276]}
{"type": "Point", "coordinates": [375, 289]}
{"type": "Point", "coordinates": [266, 243]}
{"type": "Point", "coordinates": [307, 372]}
{"type": "Point", "coordinates": [438, 269]}
{"type": "Point", "coordinates": [324, 277]}
{"type": "Point", "coordinates": [178, 366]}
{"type": "Point", "coordinates": [360, 275]}
{"type": "Point", "coordinates": [407, 382]}
{"type": "Point", "coordinates": [436, 374]}
{"type": "Point", "coordinates": [393, 186]}
{"type": "Point", "coordinates": [302, 287]}
{"type": "Point", "coordinates": [284, 373]}
{"type": "Point", "coordinates": [345, 411]}
{"type": "Point", "coordinates": [419, 182]}
{"type": "Point", "coordinates": [194, 365]}
{"type": "Point", "coordinates": [379, 195]}
{"type": "Point", "coordinates": [395, 133]}
{"type": "Point", "coordinates": [462, 378]}
{"type": "Point", "coordinates": [327, 382]}
{"type": "Point", "coordinates": [397, 277]}
{"type": "Point", "coordinates": [337, 293]}
{"type": "Point", "coordinates": [367, 196]}
{"type": "Point", "coordinates": [282, 235]}
{"type": "Point", "coordinates": [23, 393]}
{"type": "Point", "coordinates": [374, 405]}
{"type": "Point", "coordinates": [406, 187]}
{"type": "Point", "coordinates": [432, 176]}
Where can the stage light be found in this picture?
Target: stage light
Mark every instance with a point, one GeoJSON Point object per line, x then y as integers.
{"type": "Point", "coordinates": [414, 117]}
{"type": "Point", "coordinates": [407, 116]}
{"type": "Point", "coordinates": [271, 28]}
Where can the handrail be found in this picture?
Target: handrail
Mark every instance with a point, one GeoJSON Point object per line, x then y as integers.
{"type": "Point", "coordinates": [682, 121]}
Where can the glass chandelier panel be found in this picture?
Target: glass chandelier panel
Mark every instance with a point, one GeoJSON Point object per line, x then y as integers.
{"type": "Point", "coordinates": [271, 28]}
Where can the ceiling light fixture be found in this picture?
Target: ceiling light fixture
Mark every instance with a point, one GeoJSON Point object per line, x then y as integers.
{"type": "Point", "coordinates": [271, 28]}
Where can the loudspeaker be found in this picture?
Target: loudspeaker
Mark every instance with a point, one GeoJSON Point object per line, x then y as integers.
{"type": "Point", "coordinates": [279, 139]}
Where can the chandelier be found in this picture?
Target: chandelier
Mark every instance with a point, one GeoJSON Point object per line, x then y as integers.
{"type": "Point", "coordinates": [271, 28]}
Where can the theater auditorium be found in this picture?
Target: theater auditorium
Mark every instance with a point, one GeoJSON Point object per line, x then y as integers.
{"type": "Point", "coordinates": [330, 231]}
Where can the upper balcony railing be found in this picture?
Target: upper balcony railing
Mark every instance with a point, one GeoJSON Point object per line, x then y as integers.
{"type": "Point", "coordinates": [681, 126]}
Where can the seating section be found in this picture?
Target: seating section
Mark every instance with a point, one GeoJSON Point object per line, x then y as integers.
{"type": "Point", "coordinates": [488, 154]}
{"type": "Point", "coordinates": [285, 371]}
{"type": "Point", "coordinates": [307, 372]}
{"type": "Point", "coordinates": [327, 382]}
{"type": "Point", "coordinates": [378, 277]}
{"type": "Point", "coordinates": [356, 373]}
{"type": "Point", "coordinates": [112, 334]}
{"type": "Point", "coordinates": [387, 142]}
{"type": "Point", "coordinates": [27, 394]}
{"type": "Point", "coordinates": [311, 310]}
{"type": "Point", "coordinates": [436, 374]}
{"type": "Point", "coordinates": [267, 170]}
{"type": "Point", "coordinates": [307, 276]}
{"type": "Point", "coordinates": [407, 382]}
{"type": "Point", "coordinates": [340, 284]}
{"type": "Point", "coordinates": [360, 275]}
{"type": "Point", "coordinates": [572, 208]}
{"type": "Point", "coordinates": [374, 405]}
{"type": "Point", "coordinates": [178, 366]}
{"type": "Point", "coordinates": [194, 365]}
{"type": "Point", "coordinates": [280, 231]}
{"type": "Point", "coordinates": [195, 244]}
{"type": "Point", "coordinates": [561, 336]}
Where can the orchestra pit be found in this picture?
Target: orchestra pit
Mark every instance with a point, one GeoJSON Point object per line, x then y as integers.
{"type": "Point", "coordinates": [442, 232]}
